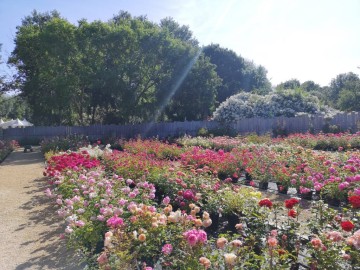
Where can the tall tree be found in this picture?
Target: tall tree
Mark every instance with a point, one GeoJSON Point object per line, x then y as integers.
{"type": "Point", "coordinates": [310, 86]}
{"type": "Point", "coordinates": [12, 107]}
{"type": "Point", "coordinates": [349, 97]}
{"type": "Point", "coordinates": [289, 84]}
{"type": "Point", "coordinates": [178, 31]}
{"type": "Point", "coordinates": [236, 73]}
{"type": "Point", "coordinates": [341, 82]}
{"type": "Point", "coordinates": [43, 55]}
{"type": "Point", "coordinates": [256, 79]}
{"type": "Point", "coordinates": [120, 71]}
{"type": "Point", "coordinates": [196, 96]}
{"type": "Point", "coordinates": [316, 90]}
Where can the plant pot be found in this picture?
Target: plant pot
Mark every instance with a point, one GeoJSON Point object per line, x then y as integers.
{"type": "Point", "coordinates": [263, 185]}
{"type": "Point", "coordinates": [159, 194]}
{"type": "Point", "coordinates": [306, 196]}
{"type": "Point", "coordinates": [282, 189]}
{"type": "Point", "coordinates": [317, 195]}
{"type": "Point", "coordinates": [248, 177]}
{"type": "Point", "coordinates": [234, 179]}
{"type": "Point", "coordinates": [295, 266]}
{"type": "Point", "coordinates": [222, 176]}
{"type": "Point", "coordinates": [213, 228]}
{"type": "Point", "coordinates": [246, 182]}
{"type": "Point", "coordinates": [332, 201]}
{"type": "Point", "coordinates": [232, 220]}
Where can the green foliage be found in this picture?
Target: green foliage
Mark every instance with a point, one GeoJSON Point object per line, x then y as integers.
{"type": "Point", "coordinates": [12, 107]}
{"type": "Point", "coordinates": [310, 86]}
{"type": "Point", "coordinates": [327, 128]}
{"type": "Point", "coordinates": [236, 73]}
{"type": "Point", "coordinates": [290, 84]}
{"type": "Point", "coordinates": [279, 130]}
{"type": "Point", "coordinates": [349, 97]}
{"type": "Point", "coordinates": [126, 70]}
{"type": "Point", "coordinates": [195, 98]}
{"type": "Point", "coordinates": [223, 131]}
{"type": "Point", "coordinates": [203, 132]}
{"type": "Point", "coordinates": [344, 91]}
{"type": "Point", "coordinates": [6, 147]}
{"type": "Point", "coordinates": [58, 144]}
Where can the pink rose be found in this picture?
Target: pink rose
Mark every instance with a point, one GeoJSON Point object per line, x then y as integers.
{"type": "Point", "coordinates": [166, 200]}
{"type": "Point", "coordinates": [188, 194]}
{"type": "Point", "coordinates": [167, 249]}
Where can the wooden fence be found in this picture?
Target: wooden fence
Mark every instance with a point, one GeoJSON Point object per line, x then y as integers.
{"type": "Point", "coordinates": [301, 124]}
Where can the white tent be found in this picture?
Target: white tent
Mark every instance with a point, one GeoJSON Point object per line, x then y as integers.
{"type": "Point", "coordinates": [15, 124]}
{"type": "Point", "coordinates": [26, 123]}
{"type": "Point", "coordinates": [6, 124]}
{"type": "Point", "coordinates": [12, 123]}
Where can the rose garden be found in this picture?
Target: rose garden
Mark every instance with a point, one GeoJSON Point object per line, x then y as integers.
{"type": "Point", "coordinates": [201, 203]}
{"type": "Point", "coordinates": [113, 102]}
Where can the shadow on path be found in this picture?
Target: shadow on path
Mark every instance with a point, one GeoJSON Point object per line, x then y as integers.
{"type": "Point", "coordinates": [50, 251]}
{"type": "Point", "coordinates": [18, 157]}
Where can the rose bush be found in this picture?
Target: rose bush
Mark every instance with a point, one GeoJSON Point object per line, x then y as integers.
{"type": "Point", "coordinates": [135, 209]}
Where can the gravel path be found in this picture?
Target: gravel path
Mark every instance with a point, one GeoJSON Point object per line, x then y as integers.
{"type": "Point", "coordinates": [29, 230]}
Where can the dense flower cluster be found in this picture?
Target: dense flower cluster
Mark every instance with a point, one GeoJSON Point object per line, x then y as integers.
{"type": "Point", "coordinates": [74, 161]}
{"type": "Point", "coordinates": [195, 237]}
{"type": "Point", "coordinates": [285, 103]}
{"type": "Point", "coordinates": [178, 213]}
{"type": "Point", "coordinates": [265, 202]}
{"type": "Point", "coordinates": [347, 225]}
{"type": "Point", "coordinates": [290, 203]}
{"type": "Point", "coordinates": [153, 147]}
{"type": "Point", "coordinates": [354, 240]}
{"type": "Point", "coordinates": [355, 201]}
{"type": "Point", "coordinates": [6, 147]}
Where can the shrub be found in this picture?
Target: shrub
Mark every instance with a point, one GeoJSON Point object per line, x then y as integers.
{"type": "Point", "coordinates": [288, 103]}
{"type": "Point", "coordinates": [58, 144]}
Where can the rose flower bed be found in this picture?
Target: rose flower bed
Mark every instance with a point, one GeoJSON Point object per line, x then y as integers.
{"type": "Point", "coordinates": [155, 206]}
{"type": "Point", "coordinates": [6, 147]}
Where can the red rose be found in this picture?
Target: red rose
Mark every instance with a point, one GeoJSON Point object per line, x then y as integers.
{"type": "Point", "coordinates": [355, 201]}
{"type": "Point", "coordinates": [265, 202]}
{"type": "Point", "coordinates": [347, 225]}
{"type": "Point", "coordinates": [291, 202]}
{"type": "Point", "coordinates": [292, 213]}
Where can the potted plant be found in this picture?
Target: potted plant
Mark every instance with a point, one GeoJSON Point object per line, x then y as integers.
{"type": "Point", "coordinates": [332, 194]}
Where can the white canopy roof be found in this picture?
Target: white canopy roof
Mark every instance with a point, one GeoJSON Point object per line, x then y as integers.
{"type": "Point", "coordinates": [15, 123]}
{"type": "Point", "coordinates": [26, 123]}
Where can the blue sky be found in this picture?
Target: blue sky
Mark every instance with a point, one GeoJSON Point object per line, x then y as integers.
{"type": "Point", "coordinates": [304, 39]}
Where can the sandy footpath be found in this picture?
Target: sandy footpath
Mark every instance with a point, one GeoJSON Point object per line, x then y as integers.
{"type": "Point", "coordinates": [29, 228]}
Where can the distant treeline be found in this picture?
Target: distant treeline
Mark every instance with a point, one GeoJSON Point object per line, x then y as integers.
{"type": "Point", "coordinates": [131, 70]}
{"type": "Point", "coordinates": [126, 70]}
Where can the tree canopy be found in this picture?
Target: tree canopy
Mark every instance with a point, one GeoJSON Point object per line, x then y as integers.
{"type": "Point", "coordinates": [132, 70]}
{"type": "Point", "coordinates": [237, 74]}
{"type": "Point", "coordinates": [121, 71]}
{"type": "Point", "coordinates": [344, 91]}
